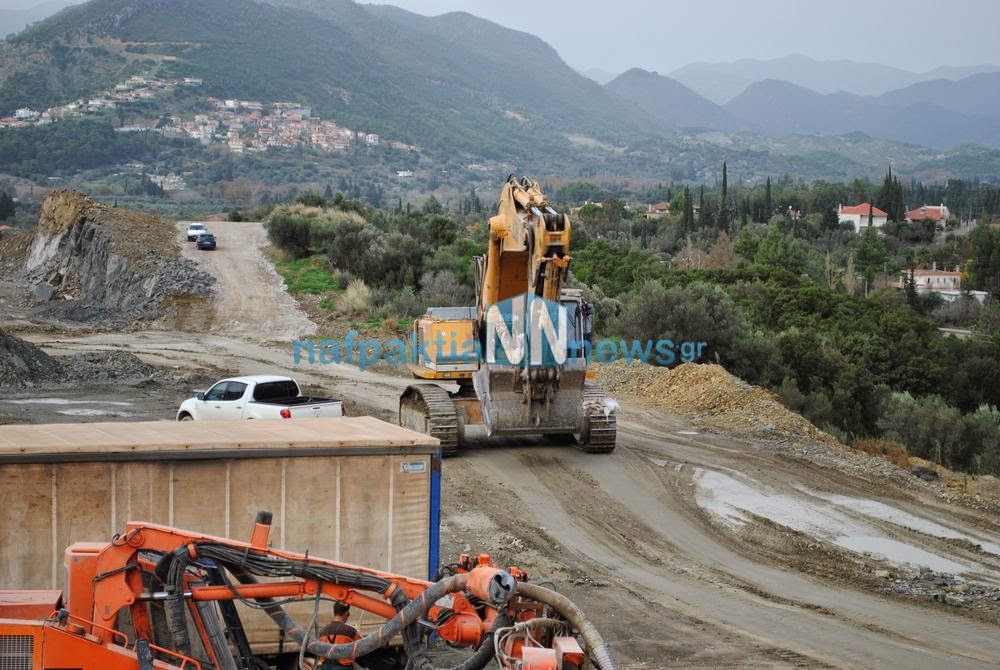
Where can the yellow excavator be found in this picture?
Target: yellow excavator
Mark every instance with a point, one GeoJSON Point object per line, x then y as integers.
{"type": "Point", "coordinates": [519, 357]}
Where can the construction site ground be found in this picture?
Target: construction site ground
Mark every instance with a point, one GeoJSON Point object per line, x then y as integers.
{"type": "Point", "coordinates": [707, 539]}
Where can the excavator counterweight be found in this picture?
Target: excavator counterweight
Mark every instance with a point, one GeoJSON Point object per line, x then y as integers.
{"type": "Point", "coordinates": [519, 358]}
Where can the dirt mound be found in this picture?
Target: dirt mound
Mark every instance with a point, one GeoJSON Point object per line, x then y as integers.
{"type": "Point", "coordinates": [93, 264]}
{"type": "Point", "coordinates": [710, 396]}
{"type": "Point", "coordinates": [24, 364]}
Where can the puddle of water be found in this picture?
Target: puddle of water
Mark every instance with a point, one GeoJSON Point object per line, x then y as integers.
{"type": "Point", "coordinates": [92, 412]}
{"type": "Point", "coordinates": [657, 461]}
{"type": "Point", "coordinates": [732, 501]}
{"type": "Point", "coordinates": [899, 552]}
{"type": "Point", "coordinates": [688, 432]}
{"type": "Point", "coordinates": [896, 516]}
{"type": "Point", "coordinates": [63, 401]}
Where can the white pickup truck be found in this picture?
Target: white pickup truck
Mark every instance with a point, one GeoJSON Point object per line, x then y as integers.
{"type": "Point", "coordinates": [257, 397]}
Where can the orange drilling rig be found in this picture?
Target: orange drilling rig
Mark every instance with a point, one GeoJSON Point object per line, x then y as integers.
{"type": "Point", "coordinates": [161, 598]}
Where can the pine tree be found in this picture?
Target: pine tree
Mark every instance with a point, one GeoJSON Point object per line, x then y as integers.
{"type": "Point", "coordinates": [723, 220]}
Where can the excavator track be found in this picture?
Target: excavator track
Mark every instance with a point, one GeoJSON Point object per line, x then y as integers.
{"type": "Point", "coordinates": [429, 409]}
{"type": "Point", "coordinates": [602, 425]}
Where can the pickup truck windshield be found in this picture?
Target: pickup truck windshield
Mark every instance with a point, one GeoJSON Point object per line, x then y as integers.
{"type": "Point", "coordinates": [268, 391]}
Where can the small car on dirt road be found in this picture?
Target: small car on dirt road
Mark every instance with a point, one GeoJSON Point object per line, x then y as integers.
{"type": "Point", "coordinates": [194, 230]}
{"type": "Point", "coordinates": [257, 397]}
{"type": "Point", "coordinates": [206, 241]}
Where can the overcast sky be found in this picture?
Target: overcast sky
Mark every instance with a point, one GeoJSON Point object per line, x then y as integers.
{"type": "Point", "coordinates": [666, 34]}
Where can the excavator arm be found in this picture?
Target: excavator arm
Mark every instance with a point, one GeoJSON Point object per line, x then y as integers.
{"type": "Point", "coordinates": [529, 247]}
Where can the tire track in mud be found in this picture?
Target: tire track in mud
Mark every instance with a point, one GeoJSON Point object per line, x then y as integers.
{"type": "Point", "coordinates": [843, 639]}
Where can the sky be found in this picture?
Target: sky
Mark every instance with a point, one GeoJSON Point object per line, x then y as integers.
{"type": "Point", "coordinates": [664, 35]}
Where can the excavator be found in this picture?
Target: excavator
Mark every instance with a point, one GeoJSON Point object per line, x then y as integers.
{"type": "Point", "coordinates": [162, 598]}
{"type": "Point", "coordinates": [519, 357]}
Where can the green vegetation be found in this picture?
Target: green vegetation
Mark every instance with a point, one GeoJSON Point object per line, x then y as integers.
{"type": "Point", "coordinates": [307, 275]}
{"type": "Point", "coordinates": [68, 147]}
{"type": "Point", "coordinates": [784, 295]}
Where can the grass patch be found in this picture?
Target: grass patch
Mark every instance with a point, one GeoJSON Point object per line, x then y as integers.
{"type": "Point", "coordinates": [307, 275]}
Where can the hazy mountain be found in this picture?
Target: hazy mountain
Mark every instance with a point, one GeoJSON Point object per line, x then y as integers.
{"type": "Point", "coordinates": [17, 19]}
{"type": "Point", "coordinates": [781, 108]}
{"type": "Point", "coordinates": [978, 95]}
{"type": "Point", "coordinates": [671, 101]}
{"type": "Point", "coordinates": [721, 82]}
{"type": "Point", "coordinates": [602, 77]}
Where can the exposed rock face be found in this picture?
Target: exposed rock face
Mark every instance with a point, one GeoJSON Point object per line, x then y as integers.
{"type": "Point", "coordinates": [95, 264]}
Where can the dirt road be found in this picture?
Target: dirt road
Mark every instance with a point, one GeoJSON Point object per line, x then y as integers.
{"type": "Point", "coordinates": [250, 297]}
{"type": "Point", "coordinates": [688, 549]}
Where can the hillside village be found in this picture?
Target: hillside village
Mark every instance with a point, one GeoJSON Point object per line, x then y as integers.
{"type": "Point", "coordinates": [239, 125]}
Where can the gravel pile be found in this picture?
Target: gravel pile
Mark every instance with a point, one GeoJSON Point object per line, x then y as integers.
{"type": "Point", "coordinates": [708, 395]}
{"type": "Point", "coordinates": [107, 366]}
{"type": "Point", "coordinates": [22, 364]}
{"type": "Point", "coordinates": [942, 588]}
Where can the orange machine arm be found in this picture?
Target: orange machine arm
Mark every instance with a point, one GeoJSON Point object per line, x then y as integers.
{"type": "Point", "coordinates": [100, 588]}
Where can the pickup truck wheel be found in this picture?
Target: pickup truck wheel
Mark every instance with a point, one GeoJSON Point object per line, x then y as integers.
{"type": "Point", "coordinates": [186, 417]}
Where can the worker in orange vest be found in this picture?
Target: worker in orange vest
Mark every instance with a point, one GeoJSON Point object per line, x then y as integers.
{"type": "Point", "coordinates": [338, 631]}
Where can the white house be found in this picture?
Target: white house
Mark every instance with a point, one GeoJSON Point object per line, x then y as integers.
{"type": "Point", "coordinates": [857, 216]}
{"type": "Point", "coordinates": [933, 280]}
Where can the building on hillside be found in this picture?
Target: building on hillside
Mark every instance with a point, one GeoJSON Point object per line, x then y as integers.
{"type": "Point", "coordinates": [938, 214]}
{"type": "Point", "coordinates": [857, 216]}
{"type": "Point", "coordinates": [942, 283]}
{"type": "Point", "coordinates": [932, 280]}
{"type": "Point", "coordinates": [657, 210]}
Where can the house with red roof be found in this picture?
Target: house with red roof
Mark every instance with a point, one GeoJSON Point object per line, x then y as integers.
{"type": "Point", "coordinates": [857, 216]}
{"type": "Point", "coordinates": [938, 215]}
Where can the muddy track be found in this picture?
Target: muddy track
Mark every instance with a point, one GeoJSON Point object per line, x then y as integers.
{"type": "Point", "coordinates": [671, 583]}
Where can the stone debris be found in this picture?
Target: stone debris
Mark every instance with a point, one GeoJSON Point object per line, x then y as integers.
{"type": "Point", "coordinates": [24, 364]}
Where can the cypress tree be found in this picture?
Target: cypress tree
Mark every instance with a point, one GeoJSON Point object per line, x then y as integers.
{"type": "Point", "coordinates": [723, 205]}
{"type": "Point", "coordinates": [768, 205]}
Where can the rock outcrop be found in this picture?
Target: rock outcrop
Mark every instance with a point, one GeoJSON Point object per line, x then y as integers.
{"type": "Point", "coordinates": [95, 264]}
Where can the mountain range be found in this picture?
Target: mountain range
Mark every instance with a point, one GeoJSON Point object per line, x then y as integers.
{"type": "Point", "coordinates": [458, 85]}
{"type": "Point", "coordinates": [721, 82]}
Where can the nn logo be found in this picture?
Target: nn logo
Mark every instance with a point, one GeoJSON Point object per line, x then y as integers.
{"type": "Point", "coordinates": [528, 328]}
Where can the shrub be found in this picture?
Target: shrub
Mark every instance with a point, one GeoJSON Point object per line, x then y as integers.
{"type": "Point", "coordinates": [894, 452]}
{"type": "Point", "coordinates": [357, 298]}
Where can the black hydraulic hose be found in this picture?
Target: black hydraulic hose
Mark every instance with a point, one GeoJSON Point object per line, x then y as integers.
{"type": "Point", "coordinates": [174, 605]}
{"type": "Point", "coordinates": [597, 648]}
{"type": "Point", "coordinates": [413, 610]}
